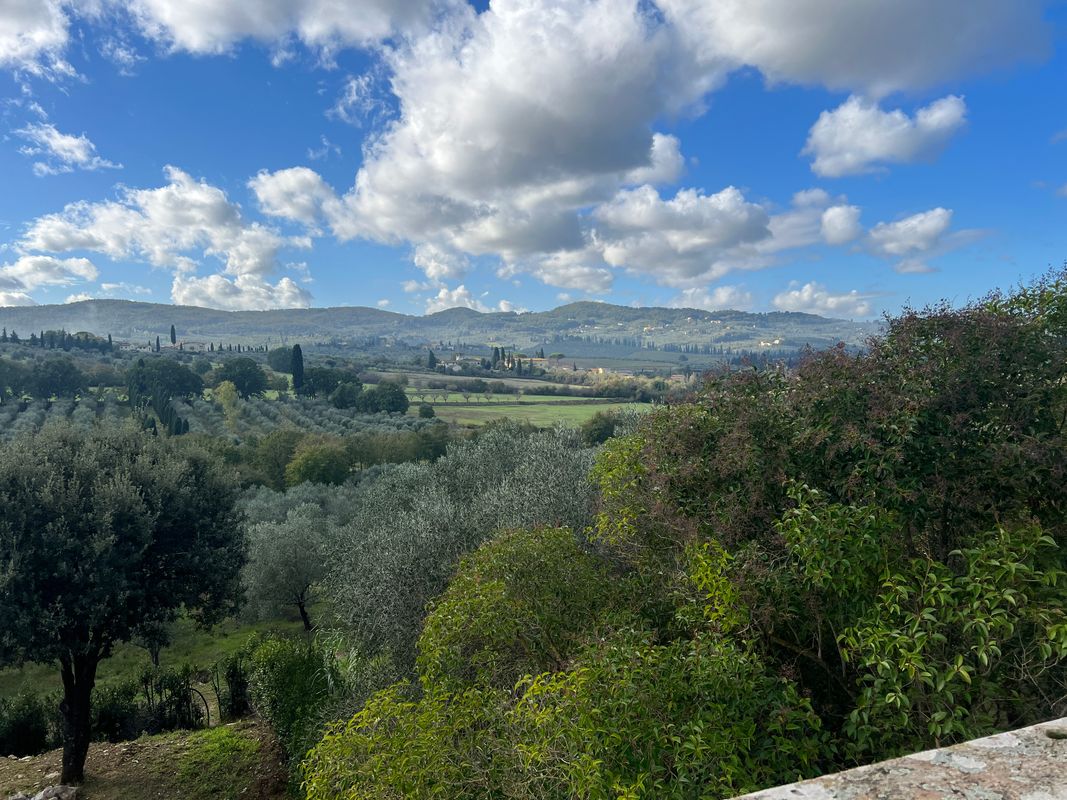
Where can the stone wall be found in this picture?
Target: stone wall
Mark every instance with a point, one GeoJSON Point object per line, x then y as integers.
{"type": "Point", "coordinates": [1027, 764]}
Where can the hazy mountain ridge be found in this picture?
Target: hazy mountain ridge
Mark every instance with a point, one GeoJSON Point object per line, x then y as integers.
{"type": "Point", "coordinates": [126, 319]}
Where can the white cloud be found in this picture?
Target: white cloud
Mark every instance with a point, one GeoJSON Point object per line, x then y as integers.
{"type": "Point", "coordinates": [439, 263]}
{"type": "Point", "coordinates": [667, 162]}
{"type": "Point", "coordinates": [77, 298]}
{"type": "Point", "coordinates": [813, 298]}
{"type": "Point", "coordinates": [162, 226]}
{"type": "Point", "coordinates": [30, 272]}
{"type": "Point", "coordinates": [717, 299]}
{"type": "Point", "coordinates": [858, 137]}
{"type": "Point", "coordinates": [863, 45]}
{"type": "Point", "coordinates": [678, 239]}
{"type": "Point", "coordinates": [125, 288]}
{"type": "Point", "coordinates": [243, 293]}
{"type": "Point", "coordinates": [460, 297]}
{"type": "Point", "coordinates": [325, 150]}
{"type": "Point", "coordinates": [513, 120]}
{"type": "Point", "coordinates": [568, 269]}
{"type": "Point", "coordinates": [175, 226]}
{"type": "Point", "coordinates": [61, 152]}
{"type": "Point", "coordinates": [384, 303]}
{"type": "Point", "coordinates": [509, 307]}
{"type": "Point", "coordinates": [33, 36]}
{"type": "Point", "coordinates": [917, 238]}
{"type": "Point", "coordinates": [16, 299]}
{"type": "Point", "coordinates": [214, 26]}
{"type": "Point", "coordinates": [841, 224]}
{"type": "Point", "coordinates": [297, 194]}
{"type": "Point", "coordinates": [360, 100]}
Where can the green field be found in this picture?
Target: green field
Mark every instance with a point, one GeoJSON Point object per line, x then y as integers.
{"type": "Point", "coordinates": [478, 398]}
{"type": "Point", "coordinates": [189, 645]}
{"type": "Point", "coordinates": [542, 415]}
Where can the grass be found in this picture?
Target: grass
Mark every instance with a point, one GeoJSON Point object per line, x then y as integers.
{"type": "Point", "coordinates": [189, 645]}
{"type": "Point", "coordinates": [542, 415]}
{"type": "Point", "coordinates": [479, 398]}
{"type": "Point", "coordinates": [240, 760]}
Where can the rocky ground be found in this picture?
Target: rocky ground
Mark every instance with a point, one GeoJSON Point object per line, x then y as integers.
{"type": "Point", "coordinates": [240, 761]}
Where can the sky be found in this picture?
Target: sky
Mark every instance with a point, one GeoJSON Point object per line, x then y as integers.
{"type": "Point", "coordinates": [841, 157]}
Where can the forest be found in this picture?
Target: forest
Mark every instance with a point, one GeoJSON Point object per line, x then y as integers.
{"type": "Point", "coordinates": [783, 571]}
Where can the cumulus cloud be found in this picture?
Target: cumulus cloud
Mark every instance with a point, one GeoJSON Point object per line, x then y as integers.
{"type": "Point", "coordinates": [176, 226]}
{"type": "Point", "coordinates": [874, 47]}
{"type": "Point", "coordinates": [814, 298]}
{"type": "Point", "coordinates": [716, 299]}
{"type": "Point", "coordinates": [161, 226]}
{"type": "Point", "coordinates": [297, 194]}
{"type": "Point", "coordinates": [214, 26]}
{"type": "Point", "coordinates": [439, 263]}
{"type": "Point", "coordinates": [385, 302]}
{"type": "Point", "coordinates": [60, 152]}
{"type": "Point", "coordinates": [16, 299]}
{"type": "Point", "coordinates": [512, 120]}
{"type": "Point", "coordinates": [914, 240]}
{"type": "Point", "coordinates": [78, 298]}
{"type": "Point", "coordinates": [677, 239]}
{"type": "Point", "coordinates": [33, 36]}
{"type": "Point", "coordinates": [841, 224]}
{"type": "Point", "coordinates": [460, 297]}
{"type": "Point", "coordinates": [31, 272]}
{"type": "Point", "coordinates": [243, 293]}
{"type": "Point", "coordinates": [859, 137]}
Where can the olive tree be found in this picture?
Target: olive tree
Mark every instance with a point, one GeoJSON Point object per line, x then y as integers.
{"type": "Point", "coordinates": [411, 526]}
{"type": "Point", "coordinates": [286, 562]}
{"type": "Point", "coordinates": [104, 536]}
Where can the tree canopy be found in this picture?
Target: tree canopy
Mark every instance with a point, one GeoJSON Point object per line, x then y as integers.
{"type": "Point", "coordinates": [103, 535]}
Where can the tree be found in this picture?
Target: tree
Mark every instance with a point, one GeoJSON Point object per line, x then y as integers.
{"type": "Point", "coordinates": [385, 397]}
{"type": "Point", "coordinates": [297, 368]}
{"type": "Point", "coordinates": [346, 395]}
{"type": "Point", "coordinates": [245, 374]}
{"type": "Point", "coordinates": [280, 359]}
{"type": "Point", "coordinates": [321, 381]}
{"type": "Point", "coordinates": [104, 535]}
{"type": "Point", "coordinates": [226, 395]}
{"type": "Point", "coordinates": [286, 560]}
{"type": "Point", "coordinates": [57, 376]}
{"type": "Point", "coordinates": [431, 360]}
{"type": "Point", "coordinates": [157, 344]}
{"type": "Point", "coordinates": [323, 462]}
{"type": "Point", "coordinates": [173, 335]}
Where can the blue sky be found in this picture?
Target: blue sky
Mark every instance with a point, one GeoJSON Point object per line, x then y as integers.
{"type": "Point", "coordinates": [832, 156]}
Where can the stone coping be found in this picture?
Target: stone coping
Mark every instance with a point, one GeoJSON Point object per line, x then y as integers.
{"type": "Point", "coordinates": [1027, 764]}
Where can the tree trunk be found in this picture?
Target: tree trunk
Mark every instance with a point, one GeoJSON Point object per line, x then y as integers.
{"type": "Point", "coordinates": [79, 677]}
{"type": "Point", "coordinates": [304, 616]}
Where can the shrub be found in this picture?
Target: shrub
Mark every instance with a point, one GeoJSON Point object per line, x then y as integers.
{"type": "Point", "coordinates": [29, 724]}
{"type": "Point", "coordinates": [518, 605]}
{"type": "Point", "coordinates": [290, 684]}
{"type": "Point", "coordinates": [117, 717]}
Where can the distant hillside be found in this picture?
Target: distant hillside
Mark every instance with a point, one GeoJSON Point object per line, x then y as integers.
{"type": "Point", "coordinates": [584, 321]}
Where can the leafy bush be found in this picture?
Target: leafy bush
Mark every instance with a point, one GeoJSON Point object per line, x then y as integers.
{"type": "Point", "coordinates": [518, 605]}
{"type": "Point", "coordinates": [290, 684]}
{"type": "Point", "coordinates": [29, 724]}
{"type": "Point", "coordinates": [117, 716]}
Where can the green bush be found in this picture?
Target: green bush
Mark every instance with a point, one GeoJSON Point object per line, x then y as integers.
{"type": "Point", "coordinates": [29, 724]}
{"type": "Point", "coordinates": [117, 716]}
{"type": "Point", "coordinates": [290, 684]}
{"type": "Point", "coordinates": [445, 745]}
{"type": "Point", "coordinates": [520, 604]}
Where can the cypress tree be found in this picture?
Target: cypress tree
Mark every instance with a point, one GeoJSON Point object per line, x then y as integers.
{"type": "Point", "coordinates": [173, 335]}
{"type": "Point", "coordinates": [296, 367]}
{"type": "Point", "coordinates": [157, 344]}
{"type": "Point", "coordinates": [431, 360]}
